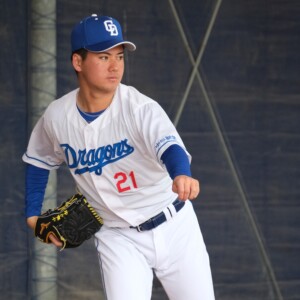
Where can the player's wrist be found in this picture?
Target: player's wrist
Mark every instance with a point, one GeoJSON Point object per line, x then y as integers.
{"type": "Point", "coordinates": [31, 221]}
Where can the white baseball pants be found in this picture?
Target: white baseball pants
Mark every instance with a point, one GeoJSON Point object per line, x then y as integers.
{"type": "Point", "coordinates": [175, 251]}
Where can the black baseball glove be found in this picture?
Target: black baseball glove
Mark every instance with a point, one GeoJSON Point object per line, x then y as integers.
{"type": "Point", "coordinates": [73, 222]}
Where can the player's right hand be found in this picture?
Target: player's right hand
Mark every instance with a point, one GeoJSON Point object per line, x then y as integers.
{"type": "Point", "coordinates": [55, 241]}
{"type": "Point", "coordinates": [31, 221]}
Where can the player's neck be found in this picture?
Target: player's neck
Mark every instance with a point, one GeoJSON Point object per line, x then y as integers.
{"type": "Point", "coordinates": [91, 102]}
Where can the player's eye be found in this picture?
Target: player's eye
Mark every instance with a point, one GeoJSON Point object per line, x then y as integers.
{"type": "Point", "coordinates": [120, 57]}
{"type": "Point", "coordinates": [103, 57]}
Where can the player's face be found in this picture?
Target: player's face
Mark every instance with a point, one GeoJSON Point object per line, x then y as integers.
{"type": "Point", "coordinates": [103, 71]}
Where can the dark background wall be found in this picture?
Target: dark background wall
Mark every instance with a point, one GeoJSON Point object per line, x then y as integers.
{"type": "Point", "coordinates": [240, 121]}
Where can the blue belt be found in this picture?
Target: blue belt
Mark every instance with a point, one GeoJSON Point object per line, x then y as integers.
{"type": "Point", "coordinates": [158, 219]}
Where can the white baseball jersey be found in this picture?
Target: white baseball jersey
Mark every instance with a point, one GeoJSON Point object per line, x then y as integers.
{"type": "Point", "coordinates": [116, 159]}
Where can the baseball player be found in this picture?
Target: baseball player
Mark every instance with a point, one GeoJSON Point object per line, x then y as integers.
{"type": "Point", "coordinates": [127, 158]}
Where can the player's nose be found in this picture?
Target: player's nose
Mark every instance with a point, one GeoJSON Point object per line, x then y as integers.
{"type": "Point", "coordinates": [113, 65]}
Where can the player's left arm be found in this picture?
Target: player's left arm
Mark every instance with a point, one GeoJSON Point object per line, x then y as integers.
{"type": "Point", "coordinates": [178, 166]}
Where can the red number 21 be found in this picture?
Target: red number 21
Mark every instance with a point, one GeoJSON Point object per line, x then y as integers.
{"type": "Point", "coordinates": [125, 182]}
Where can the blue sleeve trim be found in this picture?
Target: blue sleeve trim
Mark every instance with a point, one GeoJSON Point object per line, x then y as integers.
{"type": "Point", "coordinates": [163, 146]}
{"type": "Point", "coordinates": [176, 161]}
{"type": "Point", "coordinates": [36, 183]}
{"type": "Point", "coordinates": [42, 161]}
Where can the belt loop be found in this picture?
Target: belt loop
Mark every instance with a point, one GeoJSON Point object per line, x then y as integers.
{"type": "Point", "coordinates": [168, 213]}
{"type": "Point", "coordinates": [172, 209]}
{"type": "Point", "coordinates": [138, 228]}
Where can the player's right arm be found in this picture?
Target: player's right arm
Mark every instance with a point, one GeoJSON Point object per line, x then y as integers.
{"type": "Point", "coordinates": [36, 183]}
{"type": "Point", "coordinates": [36, 180]}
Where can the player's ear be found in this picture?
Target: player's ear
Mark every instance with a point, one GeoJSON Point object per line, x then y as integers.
{"type": "Point", "coordinates": [76, 62]}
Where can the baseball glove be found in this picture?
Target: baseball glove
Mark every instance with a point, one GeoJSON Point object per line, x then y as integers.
{"type": "Point", "coordinates": [73, 222]}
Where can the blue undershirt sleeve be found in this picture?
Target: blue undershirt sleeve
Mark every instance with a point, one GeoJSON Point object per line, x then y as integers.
{"type": "Point", "coordinates": [176, 161]}
{"type": "Point", "coordinates": [36, 183]}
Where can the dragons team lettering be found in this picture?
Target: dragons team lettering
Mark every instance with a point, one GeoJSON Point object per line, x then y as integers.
{"type": "Point", "coordinates": [94, 160]}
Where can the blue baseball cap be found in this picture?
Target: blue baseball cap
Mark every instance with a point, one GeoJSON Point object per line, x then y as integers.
{"type": "Point", "coordinates": [98, 34]}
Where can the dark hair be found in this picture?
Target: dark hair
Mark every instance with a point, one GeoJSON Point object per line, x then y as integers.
{"type": "Point", "coordinates": [82, 52]}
